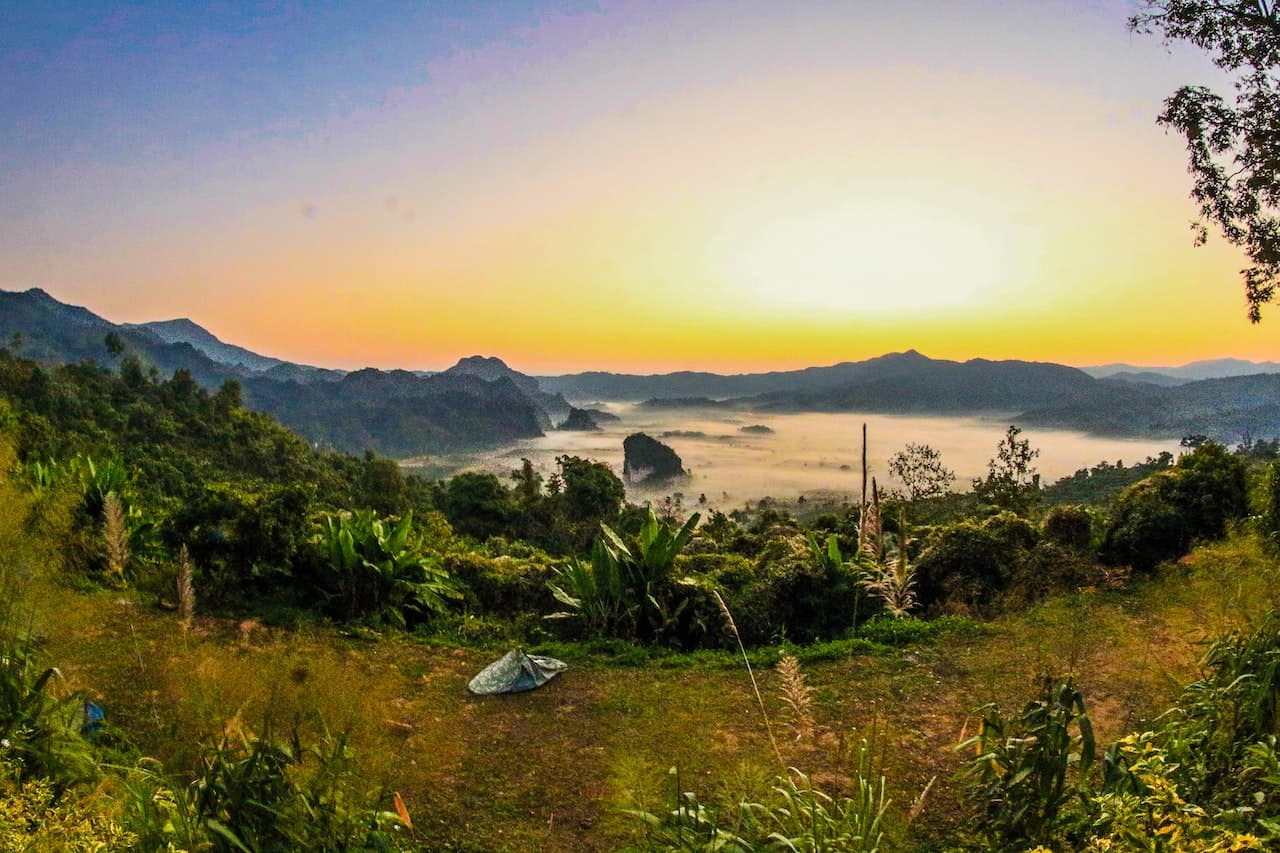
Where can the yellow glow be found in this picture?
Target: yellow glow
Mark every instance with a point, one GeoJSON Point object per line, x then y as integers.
{"type": "Point", "coordinates": [864, 255]}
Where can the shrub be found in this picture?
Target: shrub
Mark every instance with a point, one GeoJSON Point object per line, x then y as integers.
{"type": "Point", "coordinates": [1069, 526]}
{"type": "Point", "coordinates": [1046, 568]}
{"type": "Point", "coordinates": [241, 538]}
{"type": "Point", "coordinates": [1160, 517]}
{"type": "Point", "coordinates": [35, 815]}
{"type": "Point", "coordinates": [373, 567]}
{"type": "Point", "coordinates": [796, 599]}
{"type": "Point", "coordinates": [260, 794]}
{"type": "Point", "coordinates": [1020, 766]}
{"type": "Point", "coordinates": [898, 632]}
{"type": "Point", "coordinates": [964, 563]}
{"type": "Point", "coordinates": [39, 733]}
{"type": "Point", "coordinates": [794, 815]}
{"type": "Point", "coordinates": [502, 586]}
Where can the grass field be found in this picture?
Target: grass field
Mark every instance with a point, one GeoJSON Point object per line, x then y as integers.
{"type": "Point", "coordinates": [553, 769]}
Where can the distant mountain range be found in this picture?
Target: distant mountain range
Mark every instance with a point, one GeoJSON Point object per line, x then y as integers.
{"type": "Point", "coordinates": [393, 412]}
{"type": "Point", "coordinates": [1218, 368]}
{"type": "Point", "coordinates": [481, 401]}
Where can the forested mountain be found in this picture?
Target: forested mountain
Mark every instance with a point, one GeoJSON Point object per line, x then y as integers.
{"type": "Point", "coordinates": [399, 413]}
{"type": "Point", "coordinates": [923, 385]}
{"type": "Point", "coordinates": [396, 413]}
{"type": "Point", "coordinates": [481, 401]}
{"type": "Point", "coordinates": [554, 405]}
{"type": "Point", "coordinates": [1225, 409]}
{"type": "Point", "coordinates": [182, 331]}
{"type": "Point", "coordinates": [598, 385]}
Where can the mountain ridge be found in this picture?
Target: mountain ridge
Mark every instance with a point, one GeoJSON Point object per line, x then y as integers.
{"type": "Point", "coordinates": [481, 400]}
{"type": "Point", "coordinates": [393, 412]}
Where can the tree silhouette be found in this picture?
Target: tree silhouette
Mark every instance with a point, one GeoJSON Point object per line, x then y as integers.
{"type": "Point", "coordinates": [1233, 149]}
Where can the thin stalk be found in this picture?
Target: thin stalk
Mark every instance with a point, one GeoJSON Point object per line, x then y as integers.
{"type": "Point", "coordinates": [768, 727]}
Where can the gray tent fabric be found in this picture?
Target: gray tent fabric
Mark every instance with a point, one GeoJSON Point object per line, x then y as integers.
{"type": "Point", "coordinates": [516, 672]}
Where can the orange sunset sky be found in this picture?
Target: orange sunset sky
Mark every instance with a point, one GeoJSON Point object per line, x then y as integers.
{"type": "Point", "coordinates": [638, 186]}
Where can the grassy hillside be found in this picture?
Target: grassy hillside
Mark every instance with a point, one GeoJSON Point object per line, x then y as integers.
{"type": "Point", "coordinates": [552, 769]}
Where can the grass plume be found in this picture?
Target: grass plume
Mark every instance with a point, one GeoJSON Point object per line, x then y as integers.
{"type": "Point", "coordinates": [799, 697]}
{"type": "Point", "coordinates": [186, 589]}
{"type": "Point", "coordinates": [116, 537]}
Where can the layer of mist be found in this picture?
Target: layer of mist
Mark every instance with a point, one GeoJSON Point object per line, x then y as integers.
{"type": "Point", "coordinates": [813, 454]}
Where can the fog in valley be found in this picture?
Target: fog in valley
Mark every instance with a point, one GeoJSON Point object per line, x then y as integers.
{"type": "Point", "coordinates": [806, 454]}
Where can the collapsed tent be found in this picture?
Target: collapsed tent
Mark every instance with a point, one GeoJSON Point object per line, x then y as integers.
{"type": "Point", "coordinates": [515, 672]}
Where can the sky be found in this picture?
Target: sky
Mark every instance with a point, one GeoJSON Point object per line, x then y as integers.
{"type": "Point", "coordinates": [639, 186]}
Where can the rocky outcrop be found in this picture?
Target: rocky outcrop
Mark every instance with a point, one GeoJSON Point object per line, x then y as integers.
{"type": "Point", "coordinates": [579, 420]}
{"type": "Point", "coordinates": [647, 460]}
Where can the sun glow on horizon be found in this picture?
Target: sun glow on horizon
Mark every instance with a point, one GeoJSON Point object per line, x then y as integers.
{"type": "Point", "coordinates": [730, 185]}
{"type": "Point", "coordinates": [866, 253]}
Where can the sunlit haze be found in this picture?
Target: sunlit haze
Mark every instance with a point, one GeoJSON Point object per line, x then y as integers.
{"type": "Point", "coordinates": [640, 186]}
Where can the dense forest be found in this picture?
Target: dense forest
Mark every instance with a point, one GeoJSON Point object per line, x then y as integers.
{"type": "Point", "coordinates": [208, 514]}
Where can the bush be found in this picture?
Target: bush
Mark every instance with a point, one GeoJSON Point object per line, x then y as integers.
{"type": "Point", "coordinates": [39, 733]}
{"type": "Point", "coordinates": [34, 815]}
{"type": "Point", "coordinates": [898, 632]}
{"type": "Point", "coordinates": [1020, 766]}
{"type": "Point", "coordinates": [1069, 526]}
{"type": "Point", "coordinates": [261, 794]}
{"type": "Point", "coordinates": [1047, 568]}
{"type": "Point", "coordinates": [964, 563]}
{"type": "Point", "coordinates": [1160, 517]}
{"type": "Point", "coordinates": [502, 586]}
{"type": "Point", "coordinates": [798, 600]}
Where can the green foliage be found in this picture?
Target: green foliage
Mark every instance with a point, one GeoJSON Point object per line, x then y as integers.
{"type": "Point", "coordinates": [906, 630]}
{"type": "Point", "coordinates": [374, 568]}
{"type": "Point", "coordinates": [1020, 766]}
{"type": "Point", "coordinates": [1208, 778]}
{"type": "Point", "coordinates": [597, 593]}
{"type": "Point", "coordinates": [919, 467]}
{"type": "Point", "coordinates": [969, 564]}
{"type": "Point", "coordinates": [1150, 809]}
{"type": "Point", "coordinates": [796, 599]}
{"type": "Point", "coordinates": [477, 505]}
{"type": "Point", "coordinates": [1011, 482]}
{"type": "Point", "coordinates": [1230, 147]}
{"type": "Point", "coordinates": [1103, 481]}
{"type": "Point", "coordinates": [1225, 714]}
{"type": "Point", "coordinates": [794, 815]}
{"type": "Point", "coordinates": [592, 492]}
{"type": "Point", "coordinates": [1069, 526]}
{"type": "Point", "coordinates": [39, 732]}
{"type": "Point", "coordinates": [626, 593]}
{"type": "Point", "coordinates": [1270, 521]}
{"type": "Point", "coordinates": [242, 538]}
{"type": "Point", "coordinates": [504, 586]}
{"type": "Point", "coordinates": [262, 796]}
{"type": "Point", "coordinates": [1159, 518]}
{"type": "Point", "coordinates": [36, 816]}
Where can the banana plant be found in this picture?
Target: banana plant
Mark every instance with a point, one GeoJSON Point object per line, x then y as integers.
{"type": "Point", "coordinates": [380, 570]}
{"type": "Point", "coordinates": [622, 591]}
{"type": "Point", "coordinates": [833, 562]}
{"type": "Point", "coordinates": [596, 592]}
